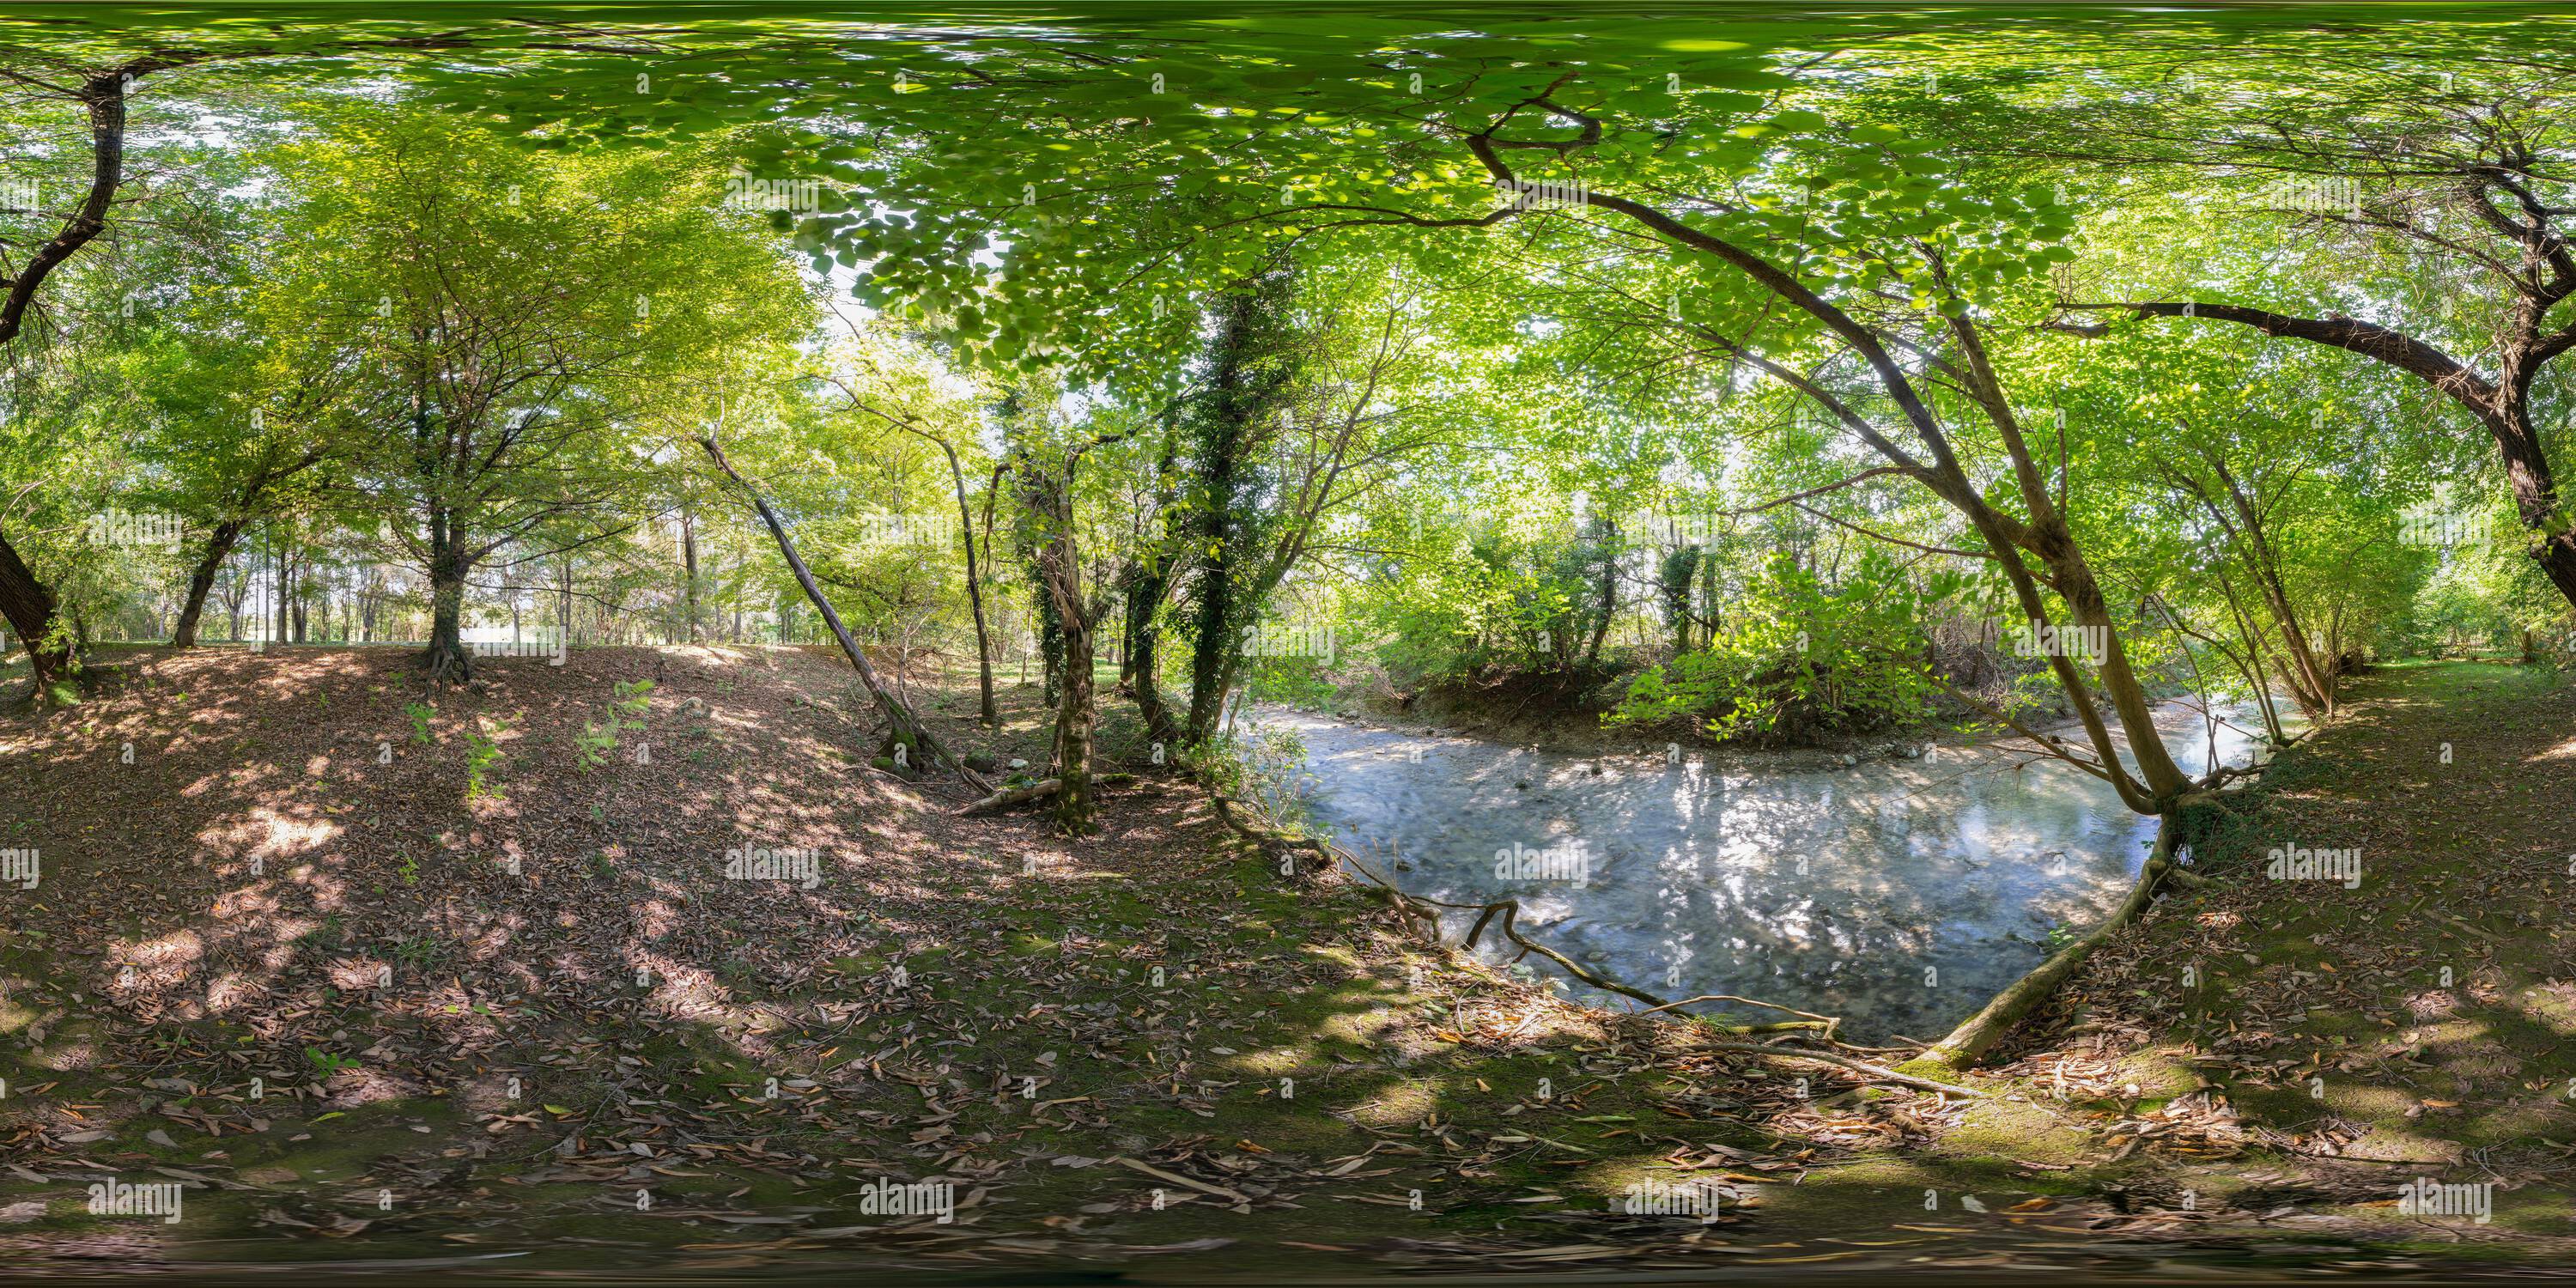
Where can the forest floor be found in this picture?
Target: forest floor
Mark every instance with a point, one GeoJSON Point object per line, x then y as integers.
{"type": "Point", "coordinates": [451, 984]}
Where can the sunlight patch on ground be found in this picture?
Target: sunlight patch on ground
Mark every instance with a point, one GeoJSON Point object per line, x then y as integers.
{"type": "Point", "coordinates": [358, 974]}
{"type": "Point", "coordinates": [1400, 1105]}
{"type": "Point", "coordinates": [268, 835]}
{"type": "Point", "coordinates": [157, 962]}
{"type": "Point", "coordinates": [232, 989]}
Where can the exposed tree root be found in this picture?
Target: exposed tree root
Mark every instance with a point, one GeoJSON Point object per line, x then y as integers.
{"type": "Point", "coordinates": [1979, 1033]}
{"type": "Point", "coordinates": [1258, 831]}
{"type": "Point", "coordinates": [1037, 791]}
{"type": "Point", "coordinates": [1876, 1071]}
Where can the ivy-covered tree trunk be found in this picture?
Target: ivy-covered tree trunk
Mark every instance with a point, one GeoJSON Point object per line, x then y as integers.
{"type": "Point", "coordinates": [1075, 812]}
{"type": "Point", "coordinates": [1605, 554]}
{"type": "Point", "coordinates": [1214, 639]}
{"type": "Point", "coordinates": [1674, 580]}
{"type": "Point", "coordinates": [1050, 623]}
{"type": "Point", "coordinates": [1146, 585]}
{"type": "Point", "coordinates": [449, 563]}
{"type": "Point", "coordinates": [1246, 381]}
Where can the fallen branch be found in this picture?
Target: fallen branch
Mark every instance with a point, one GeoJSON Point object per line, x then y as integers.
{"type": "Point", "coordinates": [1863, 1066]}
{"type": "Point", "coordinates": [1417, 909]}
{"type": "Point", "coordinates": [1825, 1024]}
{"type": "Point", "coordinates": [1510, 909]}
{"type": "Point", "coordinates": [1178, 1179]}
{"type": "Point", "coordinates": [1039, 790]}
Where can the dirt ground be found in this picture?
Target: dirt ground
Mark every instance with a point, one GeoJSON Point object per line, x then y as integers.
{"type": "Point", "coordinates": [461, 984]}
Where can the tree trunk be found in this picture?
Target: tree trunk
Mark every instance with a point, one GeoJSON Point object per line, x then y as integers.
{"type": "Point", "coordinates": [447, 658]}
{"type": "Point", "coordinates": [902, 723]}
{"type": "Point", "coordinates": [974, 591]}
{"type": "Point", "coordinates": [201, 581]}
{"type": "Point", "coordinates": [1213, 635]}
{"type": "Point", "coordinates": [103, 96]}
{"type": "Point", "coordinates": [2254, 663]}
{"type": "Point", "coordinates": [2311, 683]}
{"type": "Point", "coordinates": [1609, 595]}
{"type": "Point", "coordinates": [276, 588]}
{"type": "Point", "coordinates": [1050, 627]}
{"type": "Point", "coordinates": [1059, 568]}
{"type": "Point", "coordinates": [1074, 809]}
{"type": "Point", "coordinates": [689, 561]}
{"type": "Point", "coordinates": [2503, 406]}
{"type": "Point", "coordinates": [1142, 669]}
{"type": "Point", "coordinates": [1242, 389]}
{"type": "Point", "coordinates": [29, 606]}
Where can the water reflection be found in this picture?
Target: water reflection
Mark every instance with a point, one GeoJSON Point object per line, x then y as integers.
{"type": "Point", "coordinates": [1898, 893]}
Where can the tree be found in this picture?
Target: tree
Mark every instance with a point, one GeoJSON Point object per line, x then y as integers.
{"type": "Point", "coordinates": [2455, 183]}
{"type": "Point", "coordinates": [896, 392]}
{"type": "Point", "coordinates": [511, 318]}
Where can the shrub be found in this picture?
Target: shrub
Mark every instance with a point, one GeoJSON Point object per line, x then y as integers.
{"type": "Point", "coordinates": [1799, 659]}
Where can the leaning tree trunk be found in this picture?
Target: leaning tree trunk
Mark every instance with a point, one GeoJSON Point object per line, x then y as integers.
{"type": "Point", "coordinates": [29, 606]}
{"type": "Point", "coordinates": [201, 581]}
{"type": "Point", "coordinates": [903, 724]}
{"type": "Point", "coordinates": [974, 582]}
{"type": "Point", "coordinates": [1979, 1033]}
{"type": "Point", "coordinates": [987, 712]}
{"type": "Point", "coordinates": [2549, 527]}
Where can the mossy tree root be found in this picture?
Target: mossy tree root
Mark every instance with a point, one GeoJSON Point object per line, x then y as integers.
{"type": "Point", "coordinates": [1980, 1032]}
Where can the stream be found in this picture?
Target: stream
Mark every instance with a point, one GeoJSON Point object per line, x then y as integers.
{"type": "Point", "coordinates": [1899, 892]}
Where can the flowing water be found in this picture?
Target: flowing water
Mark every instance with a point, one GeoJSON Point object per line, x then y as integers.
{"type": "Point", "coordinates": [1900, 892]}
